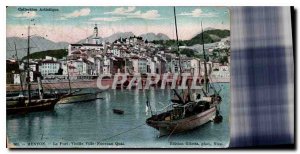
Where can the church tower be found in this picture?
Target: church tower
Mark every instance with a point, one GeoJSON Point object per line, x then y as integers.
{"type": "Point", "coordinates": [95, 31]}
{"type": "Point", "coordinates": [96, 37]}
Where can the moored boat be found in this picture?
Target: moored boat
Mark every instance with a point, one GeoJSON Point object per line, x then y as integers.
{"type": "Point", "coordinates": [118, 111]}
{"type": "Point", "coordinates": [185, 116]}
{"type": "Point", "coordinates": [165, 125]}
{"type": "Point", "coordinates": [188, 111]}
{"type": "Point", "coordinates": [73, 98]}
{"type": "Point", "coordinates": [22, 106]}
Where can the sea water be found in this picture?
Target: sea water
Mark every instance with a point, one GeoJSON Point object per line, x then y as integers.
{"type": "Point", "coordinates": [94, 125]}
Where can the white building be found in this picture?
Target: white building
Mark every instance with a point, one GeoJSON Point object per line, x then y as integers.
{"type": "Point", "coordinates": [208, 67]}
{"type": "Point", "coordinates": [17, 78]}
{"type": "Point", "coordinates": [116, 52]}
{"type": "Point", "coordinates": [88, 49]}
{"type": "Point", "coordinates": [49, 67]}
{"type": "Point", "coordinates": [98, 64]}
{"type": "Point", "coordinates": [151, 66]}
{"type": "Point", "coordinates": [135, 64]}
{"type": "Point", "coordinates": [223, 72]}
{"type": "Point", "coordinates": [50, 58]}
{"type": "Point", "coordinates": [83, 67]}
{"type": "Point", "coordinates": [195, 67]}
{"type": "Point", "coordinates": [106, 65]}
{"type": "Point", "coordinates": [142, 65]}
{"type": "Point", "coordinates": [174, 65]}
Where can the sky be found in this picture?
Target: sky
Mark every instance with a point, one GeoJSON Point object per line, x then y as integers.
{"type": "Point", "coordinates": [74, 23]}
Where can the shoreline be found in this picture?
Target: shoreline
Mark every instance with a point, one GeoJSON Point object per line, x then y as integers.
{"type": "Point", "coordinates": [58, 85]}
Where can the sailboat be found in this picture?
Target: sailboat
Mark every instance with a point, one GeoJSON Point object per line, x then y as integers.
{"type": "Point", "coordinates": [25, 104]}
{"type": "Point", "coordinates": [81, 97]}
{"type": "Point", "coordinates": [74, 96]}
{"type": "Point", "coordinates": [186, 113]}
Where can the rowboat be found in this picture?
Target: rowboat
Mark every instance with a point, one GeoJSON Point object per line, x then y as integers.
{"type": "Point", "coordinates": [117, 111]}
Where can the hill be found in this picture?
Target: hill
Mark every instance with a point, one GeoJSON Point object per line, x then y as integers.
{"type": "Point", "coordinates": [153, 36]}
{"type": "Point", "coordinates": [209, 36]}
{"type": "Point", "coordinates": [60, 53]}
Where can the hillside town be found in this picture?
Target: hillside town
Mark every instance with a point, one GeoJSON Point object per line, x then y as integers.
{"type": "Point", "coordinates": [96, 76]}
{"type": "Point", "coordinates": [86, 61]}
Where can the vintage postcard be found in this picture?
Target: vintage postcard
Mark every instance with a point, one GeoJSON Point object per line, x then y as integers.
{"type": "Point", "coordinates": [117, 77]}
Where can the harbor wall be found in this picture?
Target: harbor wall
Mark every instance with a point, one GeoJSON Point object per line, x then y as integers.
{"type": "Point", "coordinates": [61, 84]}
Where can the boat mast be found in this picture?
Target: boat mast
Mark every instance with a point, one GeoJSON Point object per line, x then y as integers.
{"type": "Point", "coordinates": [178, 51]}
{"type": "Point", "coordinates": [17, 59]}
{"type": "Point", "coordinates": [70, 88]}
{"type": "Point", "coordinates": [28, 69]}
{"type": "Point", "coordinates": [205, 68]}
{"type": "Point", "coordinates": [177, 45]}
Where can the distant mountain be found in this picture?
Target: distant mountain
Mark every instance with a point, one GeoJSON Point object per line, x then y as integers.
{"type": "Point", "coordinates": [210, 37]}
{"type": "Point", "coordinates": [37, 43]}
{"type": "Point", "coordinates": [153, 36]}
{"type": "Point", "coordinates": [116, 36]}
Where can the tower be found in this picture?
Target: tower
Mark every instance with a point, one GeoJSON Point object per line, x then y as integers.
{"type": "Point", "coordinates": [95, 31]}
{"type": "Point", "coordinates": [96, 38]}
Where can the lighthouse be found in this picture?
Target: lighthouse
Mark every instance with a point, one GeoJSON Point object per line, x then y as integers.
{"type": "Point", "coordinates": [96, 37]}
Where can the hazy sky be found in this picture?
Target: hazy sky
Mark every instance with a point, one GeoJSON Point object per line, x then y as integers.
{"type": "Point", "coordinates": [71, 24]}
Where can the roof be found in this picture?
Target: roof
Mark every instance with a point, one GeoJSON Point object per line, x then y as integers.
{"type": "Point", "coordinates": [76, 52]}
{"type": "Point", "coordinates": [87, 61]}
{"type": "Point", "coordinates": [143, 58]}
{"type": "Point", "coordinates": [49, 61]}
{"type": "Point", "coordinates": [12, 67]}
{"type": "Point", "coordinates": [134, 57]}
{"type": "Point", "coordinates": [72, 67]}
{"type": "Point", "coordinates": [86, 44]}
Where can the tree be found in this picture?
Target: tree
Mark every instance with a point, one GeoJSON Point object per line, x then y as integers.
{"type": "Point", "coordinates": [188, 52]}
{"type": "Point", "coordinates": [224, 60]}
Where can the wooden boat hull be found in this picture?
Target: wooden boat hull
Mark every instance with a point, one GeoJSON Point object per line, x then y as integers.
{"type": "Point", "coordinates": [34, 106]}
{"type": "Point", "coordinates": [78, 98]}
{"type": "Point", "coordinates": [169, 127]}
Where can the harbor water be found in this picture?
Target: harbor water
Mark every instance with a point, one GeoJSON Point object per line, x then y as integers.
{"type": "Point", "coordinates": [94, 125]}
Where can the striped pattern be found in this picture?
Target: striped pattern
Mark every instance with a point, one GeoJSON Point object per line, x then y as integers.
{"type": "Point", "coordinates": [262, 76]}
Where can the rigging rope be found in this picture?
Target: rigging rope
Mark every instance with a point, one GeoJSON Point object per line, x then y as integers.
{"type": "Point", "coordinates": [124, 132]}
{"type": "Point", "coordinates": [173, 131]}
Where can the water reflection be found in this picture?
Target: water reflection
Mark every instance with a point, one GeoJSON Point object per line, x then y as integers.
{"type": "Point", "coordinates": [95, 121]}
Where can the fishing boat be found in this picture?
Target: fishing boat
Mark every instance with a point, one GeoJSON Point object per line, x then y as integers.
{"type": "Point", "coordinates": [118, 111]}
{"type": "Point", "coordinates": [186, 115]}
{"type": "Point", "coordinates": [81, 97]}
{"type": "Point", "coordinates": [25, 104]}
{"type": "Point", "coordinates": [188, 111]}
{"type": "Point", "coordinates": [77, 96]}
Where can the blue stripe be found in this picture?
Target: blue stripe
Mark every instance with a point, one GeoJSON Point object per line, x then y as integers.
{"type": "Point", "coordinates": [261, 56]}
